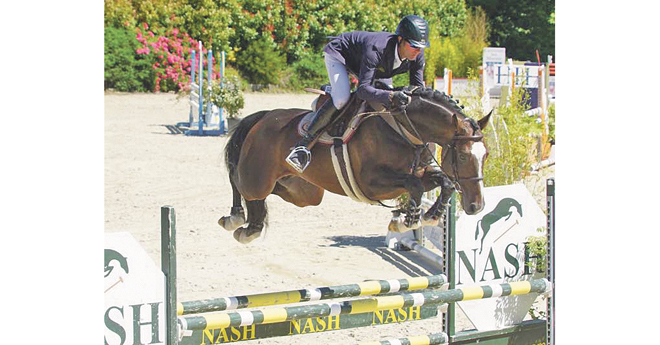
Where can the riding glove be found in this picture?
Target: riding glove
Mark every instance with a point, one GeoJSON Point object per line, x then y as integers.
{"type": "Point", "coordinates": [399, 99]}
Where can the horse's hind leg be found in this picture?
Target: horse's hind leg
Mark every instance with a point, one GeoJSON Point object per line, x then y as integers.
{"type": "Point", "coordinates": [256, 217]}
{"type": "Point", "coordinates": [236, 217]}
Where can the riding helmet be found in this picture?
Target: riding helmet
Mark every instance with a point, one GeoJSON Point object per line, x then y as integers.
{"type": "Point", "coordinates": [415, 30]}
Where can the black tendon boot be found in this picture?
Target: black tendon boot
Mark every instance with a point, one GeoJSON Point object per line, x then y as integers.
{"type": "Point", "coordinates": [300, 156]}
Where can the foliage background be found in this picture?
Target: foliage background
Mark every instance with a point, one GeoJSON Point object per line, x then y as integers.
{"type": "Point", "coordinates": [522, 26]}
{"type": "Point", "coordinates": [280, 42]}
{"type": "Point", "coordinates": [512, 138]}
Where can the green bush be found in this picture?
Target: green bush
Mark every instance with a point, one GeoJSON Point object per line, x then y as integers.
{"type": "Point", "coordinates": [461, 53]}
{"type": "Point", "coordinates": [231, 72]}
{"type": "Point", "coordinates": [402, 79]}
{"type": "Point", "coordinates": [308, 72]}
{"type": "Point", "coordinates": [512, 142]}
{"type": "Point", "coordinates": [228, 96]}
{"type": "Point", "coordinates": [261, 63]}
{"type": "Point", "coordinates": [124, 69]}
{"type": "Point", "coordinates": [118, 13]}
{"type": "Point", "coordinates": [474, 38]}
{"type": "Point", "coordinates": [538, 248]}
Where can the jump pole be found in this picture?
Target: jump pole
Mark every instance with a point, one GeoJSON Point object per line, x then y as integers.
{"type": "Point", "coordinates": [201, 88]}
{"type": "Point", "coordinates": [431, 339]}
{"type": "Point", "coordinates": [433, 297]}
{"type": "Point", "coordinates": [448, 79]}
{"type": "Point", "coordinates": [194, 88]}
{"type": "Point", "coordinates": [209, 114]}
{"type": "Point", "coordinates": [367, 288]}
{"type": "Point", "coordinates": [205, 123]}
{"type": "Point", "coordinates": [221, 111]}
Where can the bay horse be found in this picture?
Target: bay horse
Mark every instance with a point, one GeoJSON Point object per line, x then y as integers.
{"type": "Point", "coordinates": [381, 159]}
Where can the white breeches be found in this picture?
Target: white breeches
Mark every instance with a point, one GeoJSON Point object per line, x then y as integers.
{"type": "Point", "coordinates": [338, 75]}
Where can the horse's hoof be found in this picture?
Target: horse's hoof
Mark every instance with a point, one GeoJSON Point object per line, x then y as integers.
{"type": "Point", "coordinates": [394, 226]}
{"type": "Point", "coordinates": [430, 221]}
{"type": "Point", "coordinates": [246, 235]}
{"type": "Point", "coordinates": [233, 222]}
{"type": "Point", "coordinates": [397, 225]}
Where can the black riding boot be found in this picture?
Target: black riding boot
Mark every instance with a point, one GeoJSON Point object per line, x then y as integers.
{"type": "Point", "coordinates": [300, 156]}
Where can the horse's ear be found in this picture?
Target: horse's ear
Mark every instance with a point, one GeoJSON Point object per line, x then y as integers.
{"type": "Point", "coordinates": [454, 120]}
{"type": "Point", "coordinates": [484, 120]}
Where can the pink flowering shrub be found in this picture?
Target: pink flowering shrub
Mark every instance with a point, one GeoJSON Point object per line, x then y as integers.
{"type": "Point", "coordinates": [172, 52]}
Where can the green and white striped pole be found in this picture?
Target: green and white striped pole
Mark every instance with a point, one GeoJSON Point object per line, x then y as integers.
{"type": "Point", "coordinates": [273, 315]}
{"type": "Point", "coordinates": [368, 288]}
{"type": "Point", "coordinates": [431, 339]}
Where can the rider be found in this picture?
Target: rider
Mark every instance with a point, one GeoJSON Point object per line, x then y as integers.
{"type": "Point", "coordinates": [370, 56]}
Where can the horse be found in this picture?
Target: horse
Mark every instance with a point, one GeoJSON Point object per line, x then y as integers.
{"type": "Point", "coordinates": [383, 162]}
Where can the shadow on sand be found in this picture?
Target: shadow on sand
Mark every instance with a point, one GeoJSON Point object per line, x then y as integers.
{"type": "Point", "coordinates": [409, 262]}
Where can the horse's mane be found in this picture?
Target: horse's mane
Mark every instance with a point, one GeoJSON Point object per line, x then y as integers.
{"type": "Point", "coordinates": [439, 97]}
{"type": "Point", "coordinates": [444, 99]}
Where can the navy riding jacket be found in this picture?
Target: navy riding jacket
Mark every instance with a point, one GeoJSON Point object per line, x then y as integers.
{"type": "Point", "coordinates": [370, 56]}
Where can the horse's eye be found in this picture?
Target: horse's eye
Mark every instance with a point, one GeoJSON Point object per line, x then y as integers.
{"type": "Point", "coordinates": [463, 157]}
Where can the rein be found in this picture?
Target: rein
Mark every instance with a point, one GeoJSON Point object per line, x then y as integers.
{"type": "Point", "coordinates": [418, 147]}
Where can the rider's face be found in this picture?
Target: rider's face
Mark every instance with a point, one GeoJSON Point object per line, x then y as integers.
{"type": "Point", "coordinates": [406, 51]}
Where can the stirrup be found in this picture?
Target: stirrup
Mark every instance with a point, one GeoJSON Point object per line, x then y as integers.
{"type": "Point", "coordinates": [294, 154]}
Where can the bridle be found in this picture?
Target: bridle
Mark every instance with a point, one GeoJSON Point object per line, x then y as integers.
{"type": "Point", "coordinates": [456, 179]}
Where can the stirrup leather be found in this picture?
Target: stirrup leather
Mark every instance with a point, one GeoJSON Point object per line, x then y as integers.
{"type": "Point", "coordinates": [299, 166]}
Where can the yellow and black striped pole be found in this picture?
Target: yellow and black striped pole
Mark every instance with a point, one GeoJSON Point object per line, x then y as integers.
{"type": "Point", "coordinates": [273, 315]}
{"type": "Point", "coordinates": [367, 288]}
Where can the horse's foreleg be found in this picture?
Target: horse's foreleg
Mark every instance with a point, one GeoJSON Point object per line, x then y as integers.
{"type": "Point", "coordinates": [435, 177]}
{"type": "Point", "coordinates": [413, 209]}
{"type": "Point", "coordinates": [236, 217]}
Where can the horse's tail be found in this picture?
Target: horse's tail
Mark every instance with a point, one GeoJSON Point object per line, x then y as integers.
{"type": "Point", "coordinates": [256, 209]}
{"type": "Point", "coordinates": [235, 143]}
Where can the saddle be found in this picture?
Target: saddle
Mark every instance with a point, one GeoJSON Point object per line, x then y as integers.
{"type": "Point", "coordinates": [342, 130]}
{"type": "Point", "coordinates": [351, 117]}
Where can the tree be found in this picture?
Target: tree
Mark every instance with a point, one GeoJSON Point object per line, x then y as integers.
{"type": "Point", "coordinates": [521, 26]}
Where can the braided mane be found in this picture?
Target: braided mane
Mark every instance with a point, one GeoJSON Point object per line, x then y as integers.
{"type": "Point", "coordinates": [439, 97]}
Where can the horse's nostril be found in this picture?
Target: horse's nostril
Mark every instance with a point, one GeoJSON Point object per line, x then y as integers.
{"type": "Point", "coordinates": [473, 208]}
